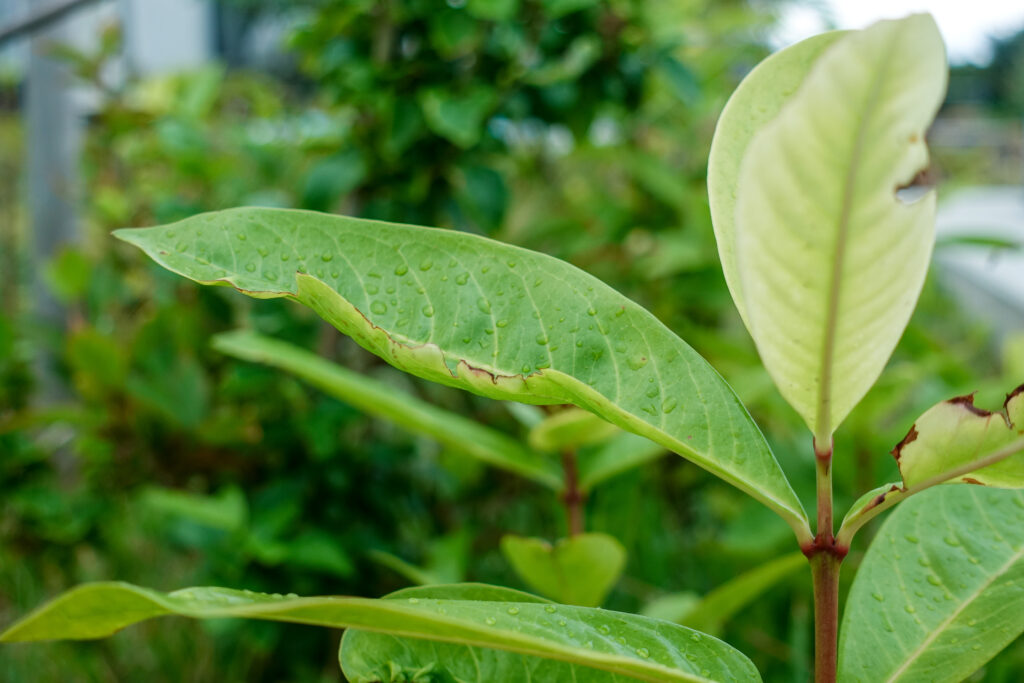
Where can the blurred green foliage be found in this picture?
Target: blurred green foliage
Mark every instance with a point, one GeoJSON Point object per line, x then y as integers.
{"type": "Point", "coordinates": [575, 127]}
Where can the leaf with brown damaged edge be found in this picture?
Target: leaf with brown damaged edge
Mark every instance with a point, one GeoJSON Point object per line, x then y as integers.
{"type": "Point", "coordinates": [494, 319]}
{"type": "Point", "coordinates": [952, 442]}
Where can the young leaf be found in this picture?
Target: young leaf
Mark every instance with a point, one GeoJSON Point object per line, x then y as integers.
{"type": "Point", "coordinates": [831, 261]}
{"type": "Point", "coordinates": [579, 570]}
{"type": "Point", "coordinates": [495, 319]}
{"type": "Point", "coordinates": [940, 590]}
{"type": "Point", "coordinates": [956, 441]}
{"type": "Point", "coordinates": [953, 442]}
{"type": "Point", "coordinates": [569, 429]}
{"type": "Point", "coordinates": [371, 657]}
{"type": "Point", "coordinates": [380, 400]}
{"type": "Point", "coordinates": [625, 644]}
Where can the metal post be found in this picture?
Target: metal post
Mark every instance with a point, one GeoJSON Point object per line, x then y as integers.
{"type": "Point", "coordinates": [54, 139]}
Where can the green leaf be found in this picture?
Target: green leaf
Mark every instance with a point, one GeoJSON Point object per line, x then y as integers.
{"type": "Point", "coordinates": [940, 590]}
{"type": "Point", "coordinates": [716, 608]}
{"type": "Point", "coordinates": [458, 117]}
{"type": "Point", "coordinates": [830, 261]}
{"type": "Point", "coordinates": [579, 570]}
{"type": "Point", "coordinates": [955, 441]}
{"type": "Point", "coordinates": [648, 650]}
{"type": "Point", "coordinates": [380, 400]}
{"type": "Point", "coordinates": [371, 657]}
{"type": "Point", "coordinates": [494, 319]}
{"type": "Point", "coordinates": [569, 429]}
{"type": "Point", "coordinates": [617, 455]}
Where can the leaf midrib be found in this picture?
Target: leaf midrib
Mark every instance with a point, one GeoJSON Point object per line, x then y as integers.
{"type": "Point", "coordinates": [824, 417]}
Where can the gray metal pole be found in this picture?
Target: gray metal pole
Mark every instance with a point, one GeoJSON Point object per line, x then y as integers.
{"type": "Point", "coordinates": [53, 143]}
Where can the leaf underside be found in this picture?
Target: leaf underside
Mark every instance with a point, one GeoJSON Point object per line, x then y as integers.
{"type": "Point", "coordinates": [636, 648]}
{"type": "Point", "coordinates": [494, 319]}
{"type": "Point", "coordinates": [940, 590]}
{"type": "Point", "coordinates": [828, 261]}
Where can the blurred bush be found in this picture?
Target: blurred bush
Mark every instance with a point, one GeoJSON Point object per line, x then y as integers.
{"type": "Point", "coordinates": [576, 127]}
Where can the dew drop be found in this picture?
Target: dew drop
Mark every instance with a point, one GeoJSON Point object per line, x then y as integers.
{"type": "Point", "coordinates": [372, 288]}
{"type": "Point", "coordinates": [669, 405]}
{"type": "Point", "coordinates": [513, 611]}
{"type": "Point", "coordinates": [526, 369]}
{"type": "Point", "coordinates": [952, 540]}
{"type": "Point", "coordinates": [401, 269]}
{"type": "Point", "coordinates": [379, 307]}
{"type": "Point", "coordinates": [462, 279]}
{"type": "Point", "coordinates": [910, 609]}
{"type": "Point", "coordinates": [241, 236]}
{"type": "Point", "coordinates": [251, 267]}
{"type": "Point", "coordinates": [541, 340]}
{"type": "Point", "coordinates": [934, 580]}
{"type": "Point", "coordinates": [502, 323]}
{"type": "Point", "coordinates": [562, 622]}
{"type": "Point", "coordinates": [484, 305]}
{"type": "Point", "coordinates": [181, 246]}
{"type": "Point", "coordinates": [591, 311]}
{"type": "Point", "coordinates": [878, 596]}
{"type": "Point", "coordinates": [695, 637]}
{"type": "Point", "coordinates": [604, 630]}
{"type": "Point", "coordinates": [426, 265]}
{"type": "Point", "coordinates": [285, 257]}
{"type": "Point", "coordinates": [414, 601]}
{"type": "Point", "coordinates": [636, 362]}
{"type": "Point", "coordinates": [911, 538]}
{"type": "Point", "coordinates": [550, 609]}
{"type": "Point", "coordinates": [428, 311]}
{"type": "Point", "coordinates": [263, 251]}
{"type": "Point", "coordinates": [490, 621]}
{"type": "Point", "coordinates": [327, 257]}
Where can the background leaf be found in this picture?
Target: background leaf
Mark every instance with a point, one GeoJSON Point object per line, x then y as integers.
{"type": "Point", "coordinates": [380, 400]}
{"type": "Point", "coordinates": [579, 570]}
{"type": "Point", "coordinates": [941, 588]}
{"type": "Point", "coordinates": [710, 613]}
{"type": "Point", "coordinates": [498, 320]}
{"type": "Point", "coordinates": [633, 646]}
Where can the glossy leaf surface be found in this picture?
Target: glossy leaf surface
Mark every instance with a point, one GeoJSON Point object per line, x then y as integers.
{"type": "Point", "coordinates": [579, 570]}
{"type": "Point", "coordinates": [831, 260]}
{"type": "Point", "coordinates": [633, 647]}
{"type": "Point", "coordinates": [940, 590]}
{"type": "Point", "coordinates": [495, 319]}
{"type": "Point", "coordinates": [380, 400]}
{"type": "Point", "coordinates": [369, 657]}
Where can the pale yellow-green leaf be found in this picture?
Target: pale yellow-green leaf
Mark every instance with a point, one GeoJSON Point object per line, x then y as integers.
{"type": "Point", "coordinates": [831, 261]}
{"type": "Point", "coordinates": [570, 429]}
{"type": "Point", "coordinates": [958, 442]}
{"type": "Point", "coordinates": [756, 101]}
